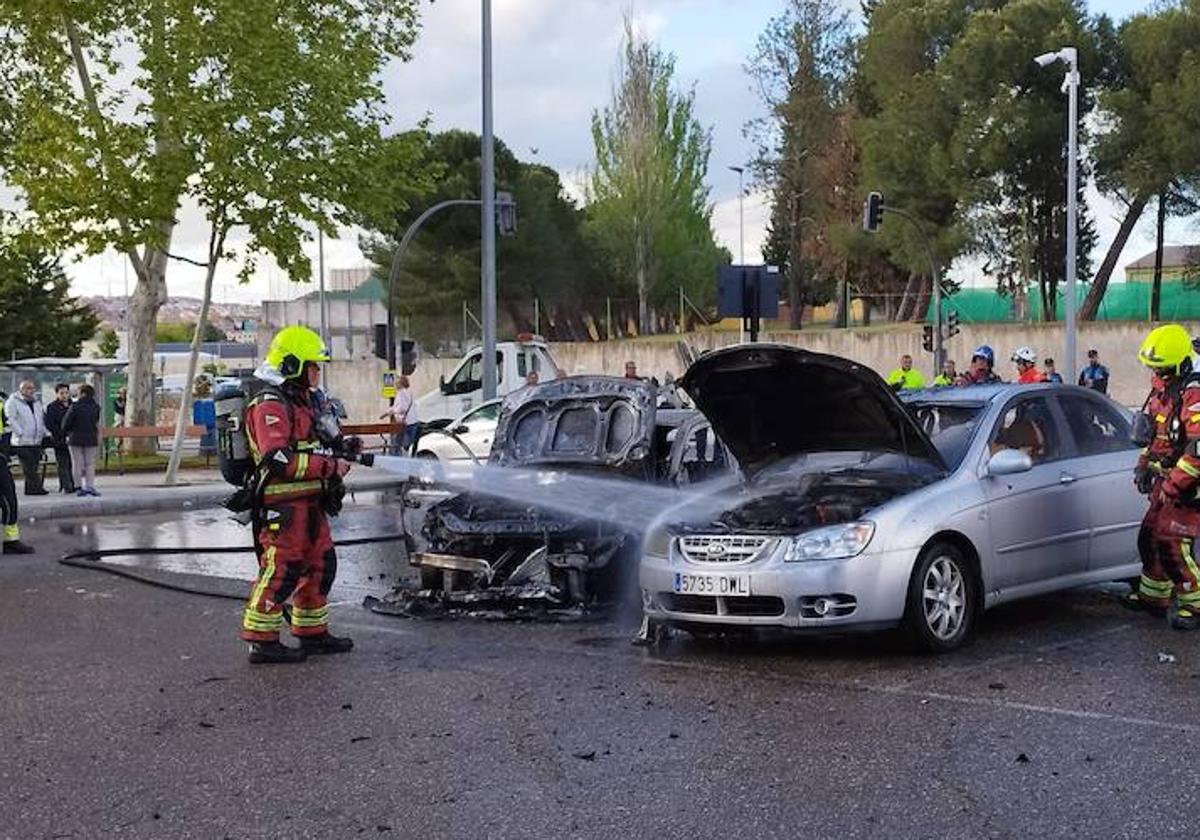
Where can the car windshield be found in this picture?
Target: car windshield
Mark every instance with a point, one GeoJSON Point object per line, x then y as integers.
{"type": "Point", "coordinates": [950, 426]}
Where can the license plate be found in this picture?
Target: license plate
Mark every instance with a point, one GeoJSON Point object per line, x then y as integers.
{"type": "Point", "coordinates": [730, 586]}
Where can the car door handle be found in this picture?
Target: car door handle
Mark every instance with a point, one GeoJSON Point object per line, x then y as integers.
{"type": "Point", "coordinates": [1066, 478]}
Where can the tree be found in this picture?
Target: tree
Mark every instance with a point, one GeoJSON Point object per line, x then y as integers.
{"type": "Point", "coordinates": [38, 316]}
{"type": "Point", "coordinates": [1152, 146]}
{"type": "Point", "coordinates": [802, 66]}
{"type": "Point", "coordinates": [1007, 150]}
{"type": "Point", "coordinates": [110, 343]}
{"type": "Point", "coordinates": [548, 257]}
{"type": "Point", "coordinates": [648, 205]}
{"type": "Point", "coordinates": [262, 113]}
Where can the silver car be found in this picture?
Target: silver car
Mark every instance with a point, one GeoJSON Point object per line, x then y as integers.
{"type": "Point", "coordinates": [859, 510]}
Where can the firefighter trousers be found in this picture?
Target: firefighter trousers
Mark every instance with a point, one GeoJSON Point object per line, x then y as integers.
{"type": "Point", "coordinates": [296, 560]}
{"type": "Point", "coordinates": [1154, 586]}
{"type": "Point", "coordinates": [1174, 541]}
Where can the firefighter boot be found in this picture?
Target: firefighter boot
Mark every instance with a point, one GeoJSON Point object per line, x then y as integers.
{"type": "Point", "coordinates": [1185, 618]}
{"type": "Point", "coordinates": [325, 643]}
{"type": "Point", "coordinates": [16, 547]}
{"type": "Point", "coordinates": [275, 653]}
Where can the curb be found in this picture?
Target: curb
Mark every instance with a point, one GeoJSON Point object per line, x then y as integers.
{"type": "Point", "coordinates": [157, 500]}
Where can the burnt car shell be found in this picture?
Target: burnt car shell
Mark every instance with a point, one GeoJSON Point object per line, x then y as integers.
{"type": "Point", "coordinates": [501, 554]}
{"type": "Point", "coordinates": [820, 439]}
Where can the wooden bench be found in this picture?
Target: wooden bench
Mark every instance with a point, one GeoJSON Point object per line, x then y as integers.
{"type": "Point", "coordinates": [383, 429]}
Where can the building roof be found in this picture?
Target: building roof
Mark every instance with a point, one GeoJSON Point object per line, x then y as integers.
{"type": "Point", "coordinates": [1174, 256]}
{"type": "Point", "coordinates": [370, 289]}
{"type": "Point", "coordinates": [221, 349]}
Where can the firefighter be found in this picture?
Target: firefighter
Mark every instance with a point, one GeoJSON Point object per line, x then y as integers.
{"type": "Point", "coordinates": [1027, 369]}
{"type": "Point", "coordinates": [294, 479]}
{"type": "Point", "coordinates": [1168, 471]}
{"type": "Point", "coordinates": [8, 501]}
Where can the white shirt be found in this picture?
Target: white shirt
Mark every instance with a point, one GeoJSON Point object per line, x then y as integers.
{"type": "Point", "coordinates": [404, 409]}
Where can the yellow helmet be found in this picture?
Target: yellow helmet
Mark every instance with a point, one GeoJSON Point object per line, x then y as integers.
{"type": "Point", "coordinates": [1168, 346]}
{"type": "Point", "coordinates": [292, 347]}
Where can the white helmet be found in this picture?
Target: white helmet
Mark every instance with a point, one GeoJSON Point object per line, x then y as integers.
{"type": "Point", "coordinates": [1025, 354]}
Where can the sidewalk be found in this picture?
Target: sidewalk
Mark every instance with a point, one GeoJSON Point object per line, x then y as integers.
{"type": "Point", "coordinates": [145, 493]}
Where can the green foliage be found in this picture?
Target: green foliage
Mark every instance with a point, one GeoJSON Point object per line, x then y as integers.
{"type": "Point", "coordinates": [110, 343]}
{"type": "Point", "coordinates": [548, 258]}
{"type": "Point", "coordinates": [267, 114]}
{"type": "Point", "coordinates": [38, 316]}
{"type": "Point", "coordinates": [648, 207]}
{"type": "Point", "coordinates": [181, 333]}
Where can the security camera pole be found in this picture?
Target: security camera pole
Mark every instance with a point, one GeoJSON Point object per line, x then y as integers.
{"type": "Point", "coordinates": [488, 194]}
{"type": "Point", "coordinates": [1070, 57]}
{"type": "Point", "coordinates": [873, 210]}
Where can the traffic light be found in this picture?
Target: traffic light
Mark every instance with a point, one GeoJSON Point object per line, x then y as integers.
{"type": "Point", "coordinates": [873, 212]}
{"type": "Point", "coordinates": [506, 214]}
{"type": "Point", "coordinates": [380, 334]}
{"type": "Point", "coordinates": [951, 323]}
{"type": "Point", "coordinates": [927, 341]}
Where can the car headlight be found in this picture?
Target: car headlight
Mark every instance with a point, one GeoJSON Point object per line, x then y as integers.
{"type": "Point", "coordinates": [836, 542]}
{"type": "Point", "coordinates": [657, 542]}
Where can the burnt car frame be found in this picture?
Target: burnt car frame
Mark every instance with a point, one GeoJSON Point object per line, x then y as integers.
{"type": "Point", "coordinates": [485, 552]}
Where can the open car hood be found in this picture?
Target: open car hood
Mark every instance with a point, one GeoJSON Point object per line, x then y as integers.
{"type": "Point", "coordinates": [590, 421]}
{"type": "Point", "coordinates": [771, 402]}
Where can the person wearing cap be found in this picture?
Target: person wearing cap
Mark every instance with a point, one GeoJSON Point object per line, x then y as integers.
{"type": "Point", "coordinates": [906, 377]}
{"type": "Point", "coordinates": [1027, 370]}
{"type": "Point", "coordinates": [1095, 375]}
{"type": "Point", "coordinates": [1052, 375]}
{"type": "Point", "coordinates": [980, 371]}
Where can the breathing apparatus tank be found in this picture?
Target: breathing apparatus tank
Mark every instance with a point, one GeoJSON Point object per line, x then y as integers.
{"type": "Point", "coordinates": [233, 447]}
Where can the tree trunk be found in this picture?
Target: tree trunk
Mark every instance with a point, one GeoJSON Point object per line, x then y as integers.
{"type": "Point", "coordinates": [1091, 304]}
{"type": "Point", "coordinates": [1156, 289]}
{"type": "Point", "coordinates": [924, 295]}
{"type": "Point", "coordinates": [643, 307]}
{"type": "Point", "coordinates": [904, 310]}
{"type": "Point", "coordinates": [149, 294]}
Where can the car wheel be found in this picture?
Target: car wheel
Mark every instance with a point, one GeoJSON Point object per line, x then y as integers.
{"type": "Point", "coordinates": [943, 599]}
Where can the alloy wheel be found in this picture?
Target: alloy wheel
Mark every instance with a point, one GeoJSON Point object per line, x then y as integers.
{"type": "Point", "coordinates": [944, 596]}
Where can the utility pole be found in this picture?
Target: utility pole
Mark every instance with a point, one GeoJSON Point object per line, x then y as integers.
{"type": "Point", "coordinates": [321, 292]}
{"type": "Point", "coordinates": [488, 215]}
{"type": "Point", "coordinates": [741, 170]}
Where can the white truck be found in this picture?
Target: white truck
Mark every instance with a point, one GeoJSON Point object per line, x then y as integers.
{"type": "Point", "coordinates": [463, 389]}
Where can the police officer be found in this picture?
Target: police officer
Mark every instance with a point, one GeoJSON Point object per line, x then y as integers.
{"type": "Point", "coordinates": [294, 477]}
{"type": "Point", "coordinates": [1168, 471]}
{"type": "Point", "coordinates": [8, 500]}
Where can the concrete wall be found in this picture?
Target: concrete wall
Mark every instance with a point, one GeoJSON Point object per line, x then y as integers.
{"type": "Point", "coordinates": [881, 348]}
{"type": "Point", "coordinates": [358, 382]}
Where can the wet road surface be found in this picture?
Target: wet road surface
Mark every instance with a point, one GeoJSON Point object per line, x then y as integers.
{"type": "Point", "coordinates": [130, 711]}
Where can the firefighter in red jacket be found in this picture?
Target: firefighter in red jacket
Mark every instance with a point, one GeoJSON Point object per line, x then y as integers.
{"type": "Point", "coordinates": [1169, 472]}
{"type": "Point", "coordinates": [293, 474]}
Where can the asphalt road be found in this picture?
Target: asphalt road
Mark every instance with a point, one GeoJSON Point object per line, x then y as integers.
{"type": "Point", "coordinates": [130, 711]}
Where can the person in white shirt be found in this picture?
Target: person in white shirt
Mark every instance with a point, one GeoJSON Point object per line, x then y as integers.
{"type": "Point", "coordinates": [404, 410]}
{"type": "Point", "coordinates": [26, 421]}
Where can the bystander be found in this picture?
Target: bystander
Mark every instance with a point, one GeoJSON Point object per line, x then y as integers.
{"type": "Point", "coordinates": [62, 455]}
{"type": "Point", "coordinates": [1095, 375]}
{"type": "Point", "coordinates": [1052, 375]}
{"type": "Point", "coordinates": [26, 418]}
{"type": "Point", "coordinates": [404, 410]}
{"type": "Point", "coordinates": [81, 426]}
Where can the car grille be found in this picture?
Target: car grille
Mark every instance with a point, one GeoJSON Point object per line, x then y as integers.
{"type": "Point", "coordinates": [722, 548]}
{"type": "Point", "coordinates": [755, 605]}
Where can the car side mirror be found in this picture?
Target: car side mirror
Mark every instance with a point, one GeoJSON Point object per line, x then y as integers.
{"type": "Point", "coordinates": [1142, 432]}
{"type": "Point", "coordinates": [1009, 462]}
{"type": "Point", "coordinates": [461, 429]}
{"type": "Point", "coordinates": [442, 386]}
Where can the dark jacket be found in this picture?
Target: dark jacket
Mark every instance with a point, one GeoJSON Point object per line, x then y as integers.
{"type": "Point", "coordinates": [55, 412]}
{"type": "Point", "coordinates": [81, 425]}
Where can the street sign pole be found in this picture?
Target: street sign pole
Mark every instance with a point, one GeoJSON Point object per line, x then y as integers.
{"type": "Point", "coordinates": [488, 220]}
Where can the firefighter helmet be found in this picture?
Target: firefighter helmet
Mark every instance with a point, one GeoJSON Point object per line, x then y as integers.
{"type": "Point", "coordinates": [292, 348]}
{"type": "Point", "coordinates": [1025, 354]}
{"type": "Point", "coordinates": [1166, 348]}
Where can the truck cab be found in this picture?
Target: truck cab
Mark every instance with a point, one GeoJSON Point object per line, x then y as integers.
{"type": "Point", "coordinates": [463, 389]}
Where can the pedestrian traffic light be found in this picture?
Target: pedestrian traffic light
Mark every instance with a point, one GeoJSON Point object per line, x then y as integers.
{"type": "Point", "coordinates": [927, 341]}
{"type": "Point", "coordinates": [380, 334]}
{"type": "Point", "coordinates": [506, 214]}
{"type": "Point", "coordinates": [873, 212]}
{"type": "Point", "coordinates": [951, 323]}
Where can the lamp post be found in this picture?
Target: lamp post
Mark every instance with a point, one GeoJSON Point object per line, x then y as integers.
{"type": "Point", "coordinates": [1070, 57]}
{"type": "Point", "coordinates": [740, 170]}
{"type": "Point", "coordinates": [488, 215]}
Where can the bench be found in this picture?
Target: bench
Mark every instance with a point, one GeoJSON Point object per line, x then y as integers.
{"type": "Point", "coordinates": [385, 431]}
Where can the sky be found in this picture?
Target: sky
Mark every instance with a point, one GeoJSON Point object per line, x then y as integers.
{"type": "Point", "coordinates": [554, 64]}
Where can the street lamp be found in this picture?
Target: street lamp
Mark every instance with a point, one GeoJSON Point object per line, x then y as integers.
{"type": "Point", "coordinates": [740, 170]}
{"type": "Point", "coordinates": [1070, 57]}
{"type": "Point", "coordinates": [488, 220]}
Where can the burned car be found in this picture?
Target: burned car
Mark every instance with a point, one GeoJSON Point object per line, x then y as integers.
{"type": "Point", "coordinates": [488, 551]}
{"type": "Point", "coordinates": [858, 510]}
